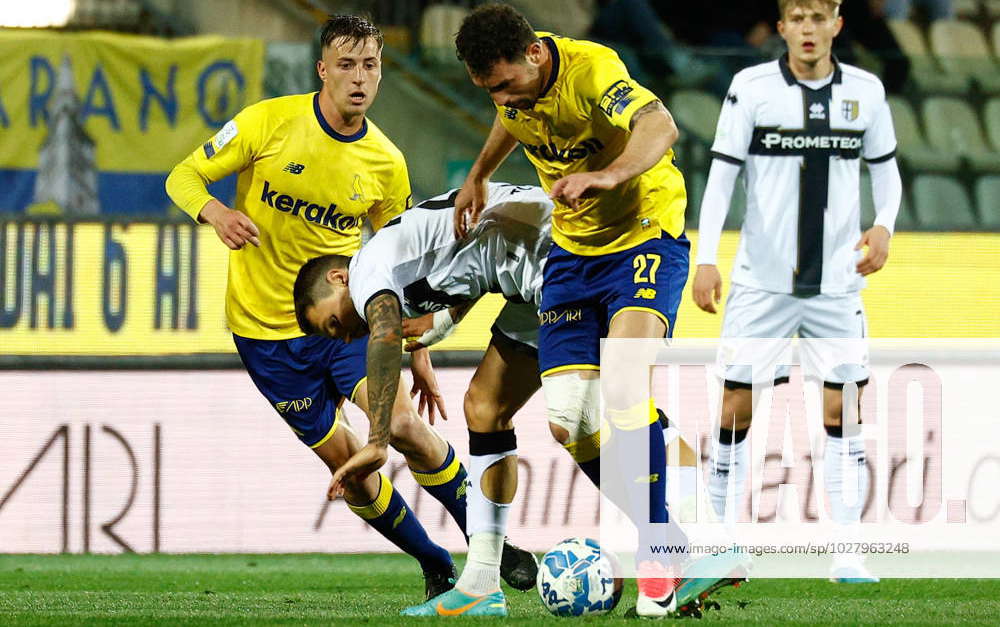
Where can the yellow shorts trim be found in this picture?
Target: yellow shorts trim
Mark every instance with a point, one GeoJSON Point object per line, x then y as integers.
{"type": "Point", "coordinates": [329, 434]}
{"type": "Point", "coordinates": [381, 503]}
{"type": "Point", "coordinates": [570, 367]}
{"type": "Point", "coordinates": [354, 392]}
{"type": "Point", "coordinates": [446, 474]}
{"type": "Point", "coordinates": [656, 313]}
{"type": "Point", "coordinates": [638, 416]}
{"type": "Point", "coordinates": [585, 449]}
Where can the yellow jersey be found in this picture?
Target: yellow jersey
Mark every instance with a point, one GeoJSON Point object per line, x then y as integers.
{"type": "Point", "coordinates": [581, 124]}
{"type": "Point", "coordinates": [306, 187]}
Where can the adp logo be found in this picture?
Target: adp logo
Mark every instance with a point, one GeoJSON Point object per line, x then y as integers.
{"type": "Point", "coordinates": [301, 404]}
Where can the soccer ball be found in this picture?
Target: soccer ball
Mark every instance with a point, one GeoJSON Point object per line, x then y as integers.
{"type": "Point", "coordinates": [576, 578]}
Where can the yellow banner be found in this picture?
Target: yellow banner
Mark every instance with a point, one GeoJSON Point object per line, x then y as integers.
{"type": "Point", "coordinates": [128, 107]}
{"type": "Point", "coordinates": [111, 289]}
{"type": "Point", "coordinates": [158, 289]}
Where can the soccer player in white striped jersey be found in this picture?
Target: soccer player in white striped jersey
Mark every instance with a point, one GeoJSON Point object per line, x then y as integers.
{"type": "Point", "coordinates": [799, 127]}
{"type": "Point", "coordinates": [415, 266]}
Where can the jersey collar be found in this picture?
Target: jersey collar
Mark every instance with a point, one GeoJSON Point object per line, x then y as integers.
{"type": "Point", "coordinates": [786, 72]}
{"type": "Point", "coordinates": [554, 73]}
{"type": "Point", "coordinates": [329, 129]}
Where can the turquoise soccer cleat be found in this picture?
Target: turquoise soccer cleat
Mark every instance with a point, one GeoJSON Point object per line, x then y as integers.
{"type": "Point", "coordinates": [701, 580]}
{"type": "Point", "coordinates": [852, 573]}
{"type": "Point", "coordinates": [457, 603]}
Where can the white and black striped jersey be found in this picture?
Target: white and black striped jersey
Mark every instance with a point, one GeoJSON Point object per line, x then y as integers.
{"type": "Point", "coordinates": [801, 144]}
{"type": "Point", "coordinates": [417, 257]}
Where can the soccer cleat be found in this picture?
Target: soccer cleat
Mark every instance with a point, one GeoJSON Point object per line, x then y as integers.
{"type": "Point", "coordinates": [702, 581]}
{"type": "Point", "coordinates": [454, 602]}
{"type": "Point", "coordinates": [518, 567]}
{"type": "Point", "coordinates": [851, 572]}
{"type": "Point", "coordinates": [657, 591]}
{"type": "Point", "coordinates": [439, 582]}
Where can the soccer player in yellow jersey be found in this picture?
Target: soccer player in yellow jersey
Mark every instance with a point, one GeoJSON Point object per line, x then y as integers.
{"type": "Point", "coordinates": [601, 144]}
{"type": "Point", "coordinates": [311, 168]}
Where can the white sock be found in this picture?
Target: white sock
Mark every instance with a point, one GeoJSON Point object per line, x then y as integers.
{"type": "Point", "coordinates": [481, 574]}
{"type": "Point", "coordinates": [486, 524]}
{"type": "Point", "coordinates": [846, 478]}
{"type": "Point", "coordinates": [727, 461]}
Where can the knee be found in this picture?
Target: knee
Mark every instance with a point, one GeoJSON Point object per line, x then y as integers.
{"type": "Point", "coordinates": [559, 432]}
{"type": "Point", "coordinates": [405, 431]}
{"type": "Point", "coordinates": [572, 406]}
{"type": "Point", "coordinates": [484, 412]}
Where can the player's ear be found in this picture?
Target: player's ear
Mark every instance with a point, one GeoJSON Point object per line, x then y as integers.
{"type": "Point", "coordinates": [321, 70]}
{"type": "Point", "coordinates": [336, 275]}
{"type": "Point", "coordinates": [839, 25]}
{"type": "Point", "coordinates": [533, 52]}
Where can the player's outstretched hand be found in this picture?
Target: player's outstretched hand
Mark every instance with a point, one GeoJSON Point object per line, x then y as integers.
{"type": "Point", "coordinates": [707, 287]}
{"type": "Point", "coordinates": [877, 241]}
{"type": "Point", "coordinates": [234, 228]}
{"type": "Point", "coordinates": [569, 189]}
{"type": "Point", "coordinates": [363, 463]}
{"type": "Point", "coordinates": [469, 203]}
{"type": "Point", "coordinates": [425, 384]}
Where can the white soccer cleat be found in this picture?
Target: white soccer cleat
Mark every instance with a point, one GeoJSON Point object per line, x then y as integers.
{"type": "Point", "coordinates": [657, 591]}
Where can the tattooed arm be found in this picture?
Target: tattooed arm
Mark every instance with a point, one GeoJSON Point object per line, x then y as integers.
{"type": "Point", "coordinates": [385, 357]}
{"type": "Point", "coordinates": [653, 133]}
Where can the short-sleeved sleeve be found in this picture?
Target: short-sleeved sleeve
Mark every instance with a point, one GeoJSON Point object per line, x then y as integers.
{"type": "Point", "coordinates": [611, 93]}
{"type": "Point", "coordinates": [734, 130]}
{"type": "Point", "coordinates": [880, 137]}
{"type": "Point", "coordinates": [370, 275]}
{"type": "Point", "coordinates": [398, 197]}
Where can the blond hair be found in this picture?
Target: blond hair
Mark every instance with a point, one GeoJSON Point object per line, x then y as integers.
{"type": "Point", "coordinates": [785, 5]}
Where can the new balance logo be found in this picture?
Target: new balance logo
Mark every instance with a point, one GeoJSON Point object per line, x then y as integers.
{"type": "Point", "coordinates": [565, 155]}
{"type": "Point", "coordinates": [294, 168]}
{"type": "Point", "coordinates": [327, 217]}
{"type": "Point", "coordinates": [817, 111]}
{"type": "Point", "coordinates": [399, 518]}
{"type": "Point", "coordinates": [510, 113]}
{"type": "Point", "coordinates": [646, 293]}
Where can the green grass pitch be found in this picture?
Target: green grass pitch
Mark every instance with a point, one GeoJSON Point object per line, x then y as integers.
{"type": "Point", "coordinates": [371, 589]}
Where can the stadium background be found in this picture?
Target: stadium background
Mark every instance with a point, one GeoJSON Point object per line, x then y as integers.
{"type": "Point", "coordinates": [127, 423]}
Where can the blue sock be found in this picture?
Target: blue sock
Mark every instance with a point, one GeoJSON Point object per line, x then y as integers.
{"type": "Point", "coordinates": [447, 484]}
{"type": "Point", "coordinates": [648, 484]}
{"type": "Point", "coordinates": [393, 518]}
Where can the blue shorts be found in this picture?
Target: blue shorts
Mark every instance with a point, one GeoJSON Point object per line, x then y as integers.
{"type": "Point", "coordinates": [305, 379]}
{"type": "Point", "coordinates": [581, 294]}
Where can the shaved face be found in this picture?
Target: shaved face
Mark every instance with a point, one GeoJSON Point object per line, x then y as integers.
{"type": "Point", "coordinates": [351, 71]}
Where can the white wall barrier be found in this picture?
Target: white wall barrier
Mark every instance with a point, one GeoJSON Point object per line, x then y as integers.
{"type": "Point", "coordinates": [197, 461]}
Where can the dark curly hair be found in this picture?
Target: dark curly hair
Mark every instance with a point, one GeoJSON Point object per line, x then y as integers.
{"type": "Point", "coordinates": [492, 33]}
{"type": "Point", "coordinates": [310, 287]}
{"type": "Point", "coordinates": [355, 28]}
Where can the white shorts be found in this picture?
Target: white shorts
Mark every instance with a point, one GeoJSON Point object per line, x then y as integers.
{"type": "Point", "coordinates": [517, 326]}
{"type": "Point", "coordinates": [834, 350]}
